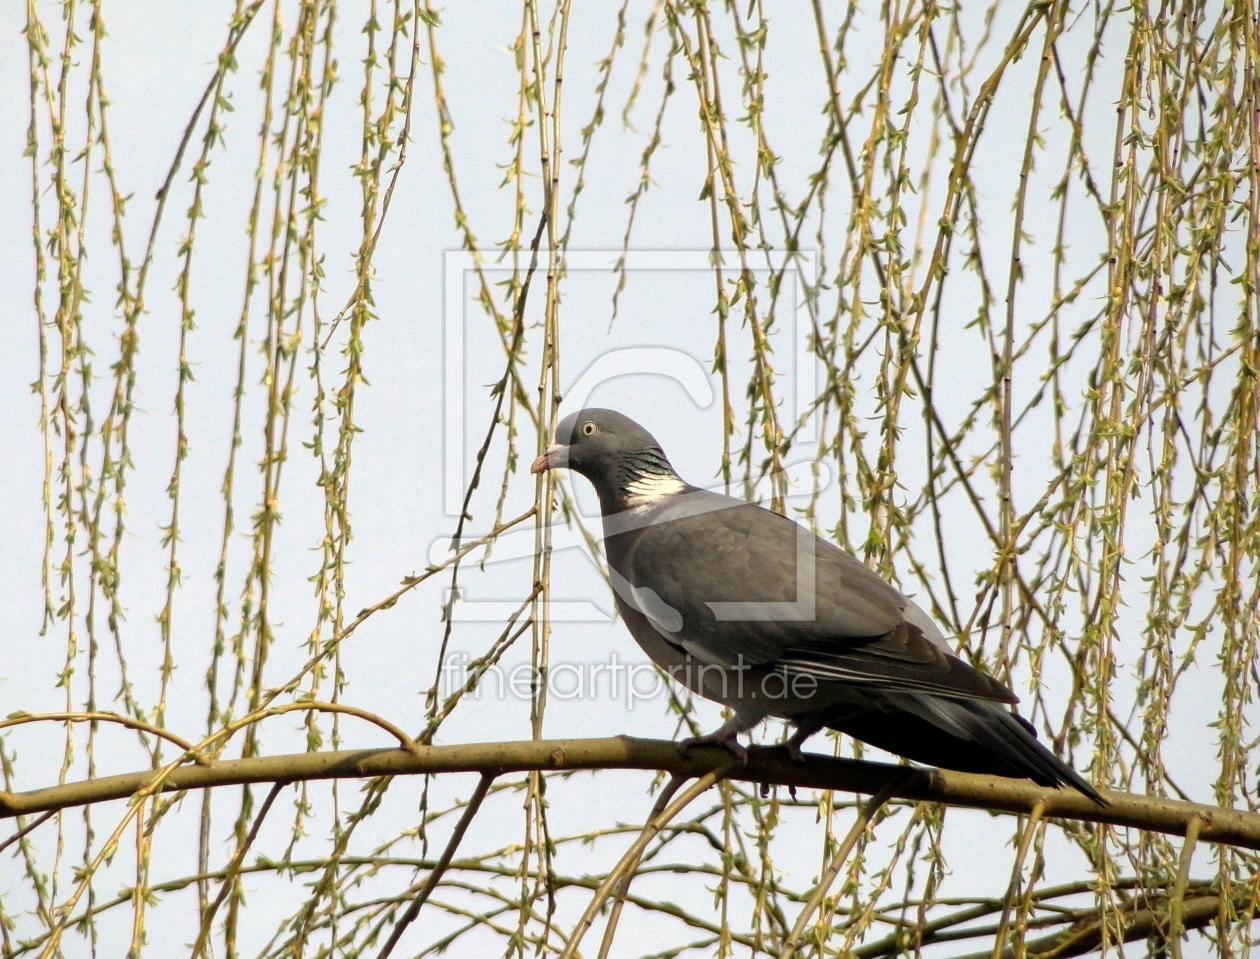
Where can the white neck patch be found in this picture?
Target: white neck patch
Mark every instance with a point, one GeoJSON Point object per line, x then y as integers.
{"type": "Point", "coordinates": [649, 488]}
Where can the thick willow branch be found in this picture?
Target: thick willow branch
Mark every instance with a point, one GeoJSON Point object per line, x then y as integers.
{"type": "Point", "coordinates": [1087, 936]}
{"type": "Point", "coordinates": [765, 765]}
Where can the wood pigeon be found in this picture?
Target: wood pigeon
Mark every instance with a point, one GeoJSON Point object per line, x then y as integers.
{"type": "Point", "coordinates": [750, 609]}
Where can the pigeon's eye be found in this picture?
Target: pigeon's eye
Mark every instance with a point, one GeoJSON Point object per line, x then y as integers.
{"type": "Point", "coordinates": [589, 427]}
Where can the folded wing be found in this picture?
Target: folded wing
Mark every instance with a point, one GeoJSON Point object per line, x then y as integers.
{"type": "Point", "coordinates": [733, 584]}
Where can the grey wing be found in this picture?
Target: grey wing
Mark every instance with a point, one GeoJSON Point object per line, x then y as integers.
{"type": "Point", "coordinates": [731, 583]}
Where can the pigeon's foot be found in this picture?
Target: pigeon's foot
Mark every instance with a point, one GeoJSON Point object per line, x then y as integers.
{"type": "Point", "coordinates": [722, 737]}
{"type": "Point", "coordinates": [726, 735]}
{"type": "Point", "coordinates": [794, 742]}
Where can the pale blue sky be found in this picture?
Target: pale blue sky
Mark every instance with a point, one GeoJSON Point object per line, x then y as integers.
{"type": "Point", "coordinates": [158, 58]}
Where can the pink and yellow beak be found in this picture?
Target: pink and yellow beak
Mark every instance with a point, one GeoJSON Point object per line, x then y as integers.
{"type": "Point", "coordinates": [553, 457]}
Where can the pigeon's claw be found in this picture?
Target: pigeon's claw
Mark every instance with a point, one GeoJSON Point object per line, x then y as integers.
{"type": "Point", "coordinates": [793, 743]}
{"type": "Point", "coordinates": [727, 740]}
{"type": "Point", "coordinates": [726, 735]}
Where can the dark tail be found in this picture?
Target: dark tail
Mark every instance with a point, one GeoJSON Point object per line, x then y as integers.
{"type": "Point", "coordinates": [962, 734]}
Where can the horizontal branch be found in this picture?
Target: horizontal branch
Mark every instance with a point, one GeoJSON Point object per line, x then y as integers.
{"type": "Point", "coordinates": [1087, 935]}
{"type": "Point", "coordinates": [767, 765]}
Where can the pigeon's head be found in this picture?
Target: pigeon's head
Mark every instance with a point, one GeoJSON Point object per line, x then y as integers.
{"type": "Point", "coordinates": [620, 458]}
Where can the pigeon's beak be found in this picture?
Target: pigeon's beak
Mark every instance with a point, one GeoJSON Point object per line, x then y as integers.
{"type": "Point", "coordinates": [553, 457]}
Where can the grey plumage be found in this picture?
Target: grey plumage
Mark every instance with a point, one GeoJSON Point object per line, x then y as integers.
{"type": "Point", "coordinates": [747, 608]}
